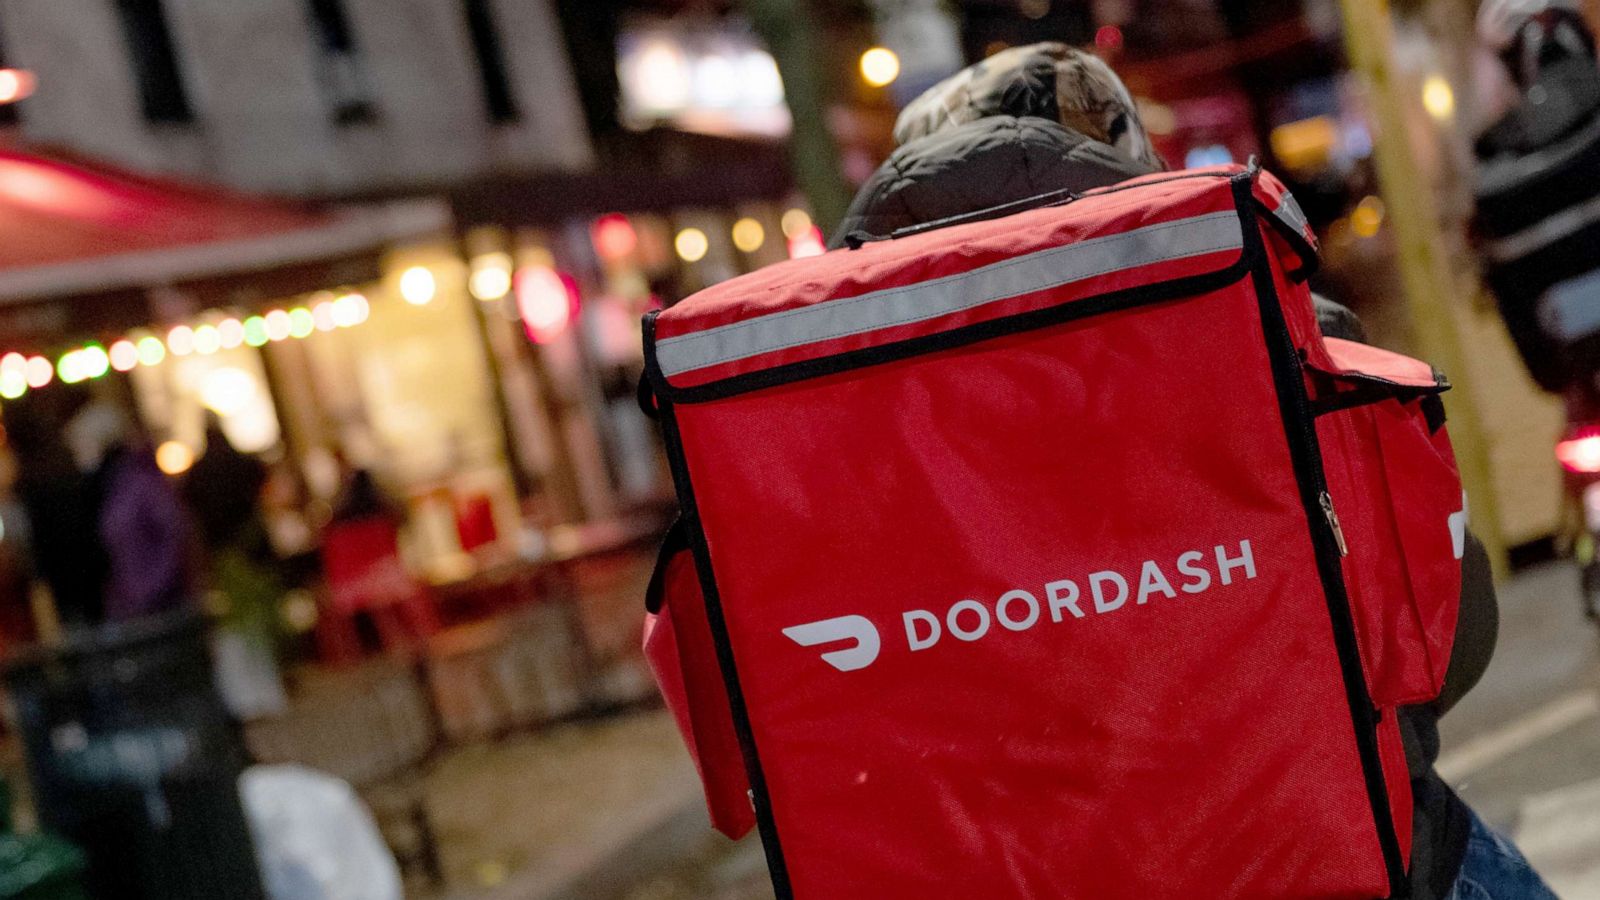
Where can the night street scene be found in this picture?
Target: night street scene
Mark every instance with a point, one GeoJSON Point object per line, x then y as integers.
{"type": "Point", "coordinates": [819, 449]}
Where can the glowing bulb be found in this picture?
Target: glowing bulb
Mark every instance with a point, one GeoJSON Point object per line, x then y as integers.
{"type": "Point", "coordinates": [124, 355]}
{"type": "Point", "coordinates": [691, 244]}
{"type": "Point", "coordinates": [1367, 217]}
{"type": "Point", "coordinates": [94, 361]}
{"type": "Point", "coordinates": [151, 351]}
{"type": "Point", "coordinates": [351, 309]}
{"type": "Point", "coordinates": [278, 325]}
{"type": "Point", "coordinates": [345, 311]}
{"type": "Point", "coordinates": [255, 331]}
{"type": "Point", "coordinates": [301, 322]}
{"type": "Point", "coordinates": [748, 235]}
{"type": "Point", "coordinates": [13, 362]}
{"type": "Point", "coordinates": [879, 66]}
{"type": "Point", "coordinates": [16, 84]}
{"type": "Point", "coordinates": [322, 314]}
{"type": "Point", "coordinates": [1438, 98]}
{"type": "Point", "coordinates": [40, 372]}
{"type": "Point", "coordinates": [13, 383]}
{"type": "Point", "coordinates": [232, 333]}
{"type": "Point", "coordinates": [795, 222]}
{"type": "Point", "coordinates": [545, 301]}
{"type": "Point", "coordinates": [491, 275]}
{"type": "Point", "coordinates": [180, 341]}
{"type": "Point", "coordinates": [417, 286]}
{"type": "Point", "coordinates": [490, 284]}
{"type": "Point", "coordinates": [807, 243]}
{"type": "Point", "coordinates": [174, 457]}
{"type": "Point", "coordinates": [69, 368]}
{"type": "Point", "coordinates": [613, 236]}
{"type": "Point", "coordinates": [207, 340]}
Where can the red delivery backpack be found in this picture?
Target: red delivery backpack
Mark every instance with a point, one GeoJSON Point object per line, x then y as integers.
{"type": "Point", "coordinates": [1054, 555]}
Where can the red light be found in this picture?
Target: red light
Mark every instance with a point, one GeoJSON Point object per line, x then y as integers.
{"type": "Point", "coordinates": [807, 243]}
{"type": "Point", "coordinates": [547, 301]}
{"type": "Point", "coordinates": [614, 236]}
{"type": "Point", "coordinates": [1109, 37]}
{"type": "Point", "coordinates": [1580, 452]}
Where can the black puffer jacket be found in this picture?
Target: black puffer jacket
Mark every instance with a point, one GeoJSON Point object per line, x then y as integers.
{"type": "Point", "coordinates": [967, 152]}
{"type": "Point", "coordinates": [987, 163]}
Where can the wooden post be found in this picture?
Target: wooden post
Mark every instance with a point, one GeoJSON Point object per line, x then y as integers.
{"type": "Point", "coordinates": [1421, 254]}
{"type": "Point", "coordinates": [789, 32]}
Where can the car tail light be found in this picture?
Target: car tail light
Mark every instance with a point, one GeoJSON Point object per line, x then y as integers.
{"type": "Point", "coordinates": [1580, 451]}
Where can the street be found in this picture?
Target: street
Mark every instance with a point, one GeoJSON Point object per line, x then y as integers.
{"type": "Point", "coordinates": [1523, 748]}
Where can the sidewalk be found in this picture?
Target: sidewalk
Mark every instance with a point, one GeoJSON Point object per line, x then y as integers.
{"type": "Point", "coordinates": [581, 810]}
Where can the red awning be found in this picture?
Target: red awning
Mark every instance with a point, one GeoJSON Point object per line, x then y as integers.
{"type": "Point", "coordinates": [71, 228]}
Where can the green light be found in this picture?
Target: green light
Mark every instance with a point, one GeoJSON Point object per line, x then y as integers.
{"type": "Point", "coordinates": [12, 383]}
{"type": "Point", "coordinates": [301, 322]}
{"type": "Point", "coordinates": [94, 361]}
{"type": "Point", "coordinates": [70, 367]}
{"type": "Point", "coordinates": [255, 331]}
{"type": "Point", "coordinates": [151, 351]}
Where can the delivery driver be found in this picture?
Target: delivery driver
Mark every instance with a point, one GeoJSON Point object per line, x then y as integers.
{"type": "Point", "coordinates": [1046, 119]}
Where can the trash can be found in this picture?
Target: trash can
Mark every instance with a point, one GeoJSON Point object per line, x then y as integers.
{"type": "Point", "coordinates": [36, 866]}
{"type": "Point", "coordinates": [134, 759]}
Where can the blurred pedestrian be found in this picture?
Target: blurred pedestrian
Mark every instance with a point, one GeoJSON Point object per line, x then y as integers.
{"type": "Point", "coordinates": [56, 495]}
{"type": "Point", "coordinates": [138, 517]}
{"type": "Point", "coordinates": [223, 489]}
{"type": "Point", "coordinates": [1032, 124]}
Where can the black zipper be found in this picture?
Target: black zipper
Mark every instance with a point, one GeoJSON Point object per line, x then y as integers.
{"type": "Point", "coordinates": [1326, 537]}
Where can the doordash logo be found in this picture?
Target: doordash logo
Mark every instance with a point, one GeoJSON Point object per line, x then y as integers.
{"type": "Point", "coordinates": [1019, 610]}
{"type": "Point", "coordinates": [832, 631]}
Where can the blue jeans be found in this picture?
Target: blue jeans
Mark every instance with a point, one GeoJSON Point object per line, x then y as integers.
{"type": "Point", "coordinates": [1494, 869]}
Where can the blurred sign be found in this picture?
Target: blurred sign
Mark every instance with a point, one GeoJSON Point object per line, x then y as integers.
{"type": "Point", "coordinates": [924, 36]}
{"type": "Point", "coordinates": [707, 77]}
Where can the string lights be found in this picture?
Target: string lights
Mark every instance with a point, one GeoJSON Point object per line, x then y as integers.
{"type": "Point", "coordinates": [212, 333]}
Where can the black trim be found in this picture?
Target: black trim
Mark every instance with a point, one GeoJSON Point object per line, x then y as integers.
{"type": "Point", "coordinates": [1058, 314]}
{"type": "Point", "coordinates": [1369, 389]}
{"type": "Point", "coordinates": [999, 211]}
{"type": "Point", "coordinates": [695, 532]}
{"type": "Point", "coordinates": [675, 541]}
{"type": "Point", "coordinates": [646, 397]}
{"type": "Point", "coordinates": [855, 239]}
{"type": "Point", "coordinates": [1300, 428]}
{"type": "Point", "coordinates": [1433, 413]}
{"type": "Point", "coordinates": [1366, 395]}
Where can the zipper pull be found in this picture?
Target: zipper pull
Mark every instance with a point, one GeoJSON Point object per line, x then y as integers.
{"type": "Point", "coordinates": [1333, 523]}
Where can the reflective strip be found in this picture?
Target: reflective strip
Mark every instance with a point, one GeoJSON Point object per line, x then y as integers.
{"type": "Point", "coordinates": [894, 307]}
{"type": "Point", "coordinates": [1512, 175]}
{"type": "Point", "coordinates": [1290, 214]}
{"type": "Point", "coordinates": [1571, 310]}
{"type": "Point", "coordinates": [1547, 231]}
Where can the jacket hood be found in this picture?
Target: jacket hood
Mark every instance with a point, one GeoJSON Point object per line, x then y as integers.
{"type": "Point", "coordinates": [1045, 81]}
{"type": "Point", "coordinates": [1024, 122]}
{"type": "Point", "coordinates": [987, 163]}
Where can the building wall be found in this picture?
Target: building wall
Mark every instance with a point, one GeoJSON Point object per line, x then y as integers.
{"type": "Point", "coordinates": [262, 119]}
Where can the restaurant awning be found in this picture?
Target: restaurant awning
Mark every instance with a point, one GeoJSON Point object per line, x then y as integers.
{"type": "Point", "coordinates": [70, 228]}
